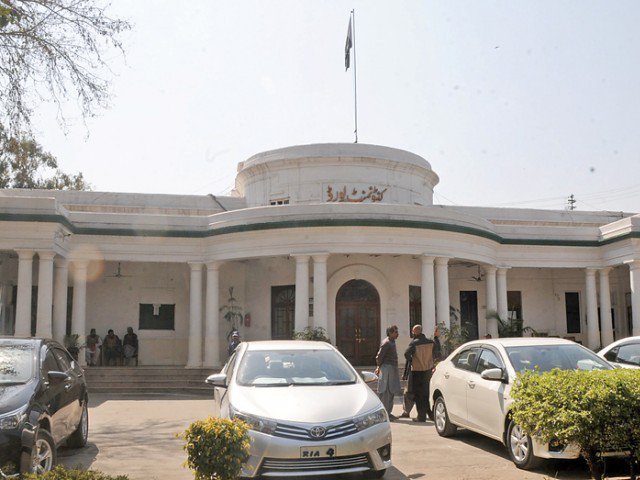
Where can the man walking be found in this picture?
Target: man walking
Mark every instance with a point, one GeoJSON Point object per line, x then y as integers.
{"type": "Point", "coordinates": [421, 356]}
{"type": "Point", "coordinates": [387, 370]}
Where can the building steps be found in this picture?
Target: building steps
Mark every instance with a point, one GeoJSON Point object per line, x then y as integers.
{"type": "Point", "coordinates": [148, 379]}
{"type": "Point", "coordinates": [157, 379]}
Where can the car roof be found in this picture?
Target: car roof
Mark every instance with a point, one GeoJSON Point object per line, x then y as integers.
{"type": "Point", "coordinates": [288, 345]}
{"type": "Point", "coordinates": [622, 340]}
{"type": "Point", "coordinates": [521, 341]}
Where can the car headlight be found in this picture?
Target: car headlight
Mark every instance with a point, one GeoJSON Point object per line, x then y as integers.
{"type": "Point", "coordinates": [370, 419]}
{"type": "Point", "coordinates": [259, 424]}
{"type": "Point", "coordinates": [12, 420]}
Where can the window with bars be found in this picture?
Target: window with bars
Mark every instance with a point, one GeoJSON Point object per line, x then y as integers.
{"type": "Point", "coordinates": [283, 309]}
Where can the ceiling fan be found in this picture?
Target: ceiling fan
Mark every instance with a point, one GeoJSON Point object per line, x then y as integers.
{"type": "Point", "coordinates": [479, 277]}
{"type": "Point", "coordinates": [118, 273]}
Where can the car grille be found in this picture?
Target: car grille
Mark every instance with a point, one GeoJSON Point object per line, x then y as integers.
{"type": "Point", "coordinates": [281, 465]}
{"type": "Point", "coordinates": [302, 433]}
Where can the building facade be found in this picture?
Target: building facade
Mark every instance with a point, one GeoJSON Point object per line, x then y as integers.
{"type": "Point", "coordinates": [340, 236]}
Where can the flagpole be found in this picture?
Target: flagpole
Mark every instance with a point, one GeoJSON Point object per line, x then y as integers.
{"type": "Point", "coordinates": [355, 82]}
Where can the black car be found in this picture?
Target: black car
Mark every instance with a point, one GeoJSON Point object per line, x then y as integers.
{"type": "Point", "coordinates": [43, 402]}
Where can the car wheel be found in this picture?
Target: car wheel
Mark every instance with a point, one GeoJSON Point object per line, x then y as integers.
{"type": "Point", "coordinates": [444, 427]}
{"type": "Point", "coordinates": [371, 474]}
{"type": "Point", "coordinates": [520, 447]}
{"type": "Point", "coordinates": [42, 457]}
{"type": "Point", "coordinates": [78, 438]}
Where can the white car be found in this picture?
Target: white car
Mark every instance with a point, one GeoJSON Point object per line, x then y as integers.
{"type": "Point", "coordinates": [470, 389]}
{"type": "Point", "coordinates": [623, 353]}
{"type": "Point", "coordinates": [309, 411]}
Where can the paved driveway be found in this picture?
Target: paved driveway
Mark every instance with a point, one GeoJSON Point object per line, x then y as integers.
{"type": "Point", "coordinates": [135, 435]}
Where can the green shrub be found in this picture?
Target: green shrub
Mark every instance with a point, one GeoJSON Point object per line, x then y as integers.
{"type": "Point", "coordinates": [61, 473]}
{"type": "Point", "coordinates": [216, 448]}
{"type": "Point", "coordinates": [598, 410]}
{"type": "Point", "coordinates": [318, 334]}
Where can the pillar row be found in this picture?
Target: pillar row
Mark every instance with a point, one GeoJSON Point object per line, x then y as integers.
{"type": "Point", "coordinates": [302, 293]}
{"type": "Point", "coordinates": [79, 310]}
{"type": "Point", "coordinates": [606, 324]}
{"type": "Point", "coordinates": [428, 295]}
{"type": "Point", "coordinates": [320, 318]}
{"type": "Point", "coordinates": [634, 273]}
{"type": "Point", "coordinates": [442, 291]}
{"type": "Point", "coordinates": [23, 302]}
{"type": "Point", "coordinates": [212, 317]}
{"type": "Point", "coordinates": [501, 287]}
{"type": "Point", "coordinates": [60, 286]}
{"type": "Point", "coordinates": [492, 300]}
{"type": "Point", "coordinates": [194, 356]}
{"type": "Point", "coordinates": [45, 295]}
{"type": "Point", "coordinates": [593, 332]}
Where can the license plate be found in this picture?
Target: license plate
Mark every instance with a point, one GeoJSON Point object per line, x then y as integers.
{"type": "Point", "coordinates": [319, 451]}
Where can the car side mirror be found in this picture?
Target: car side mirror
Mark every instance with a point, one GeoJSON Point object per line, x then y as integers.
{"type": "Point", "coordinates": [217, 380]}
{"type": "Point", "coordinates": [495, 374]}
{"type": "Point", "coordinates": [368, 377]}
{"type": "Point", "coordinates": [57, 377]}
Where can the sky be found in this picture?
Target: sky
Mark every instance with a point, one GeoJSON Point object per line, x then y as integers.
{"type": "Point", "coordinates": [513, 103]}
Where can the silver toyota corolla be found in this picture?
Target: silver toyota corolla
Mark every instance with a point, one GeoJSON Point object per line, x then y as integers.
{"type": "Point", "coordinates": [309, 411]}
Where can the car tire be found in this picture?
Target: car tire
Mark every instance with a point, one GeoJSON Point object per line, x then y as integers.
{"type": "Point", "coordinates": [444, 427]}
{"type": "Point", "coordinates": [520, 448]}
{"type": "Point", "coordinates": [372, 474]}
{"type": "Point", "coordinates": [78, 438]}
{"type": "Point", "coordinates": [43, 456]}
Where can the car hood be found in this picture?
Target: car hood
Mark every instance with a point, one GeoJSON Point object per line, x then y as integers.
{"type": "Point", "coordinates": [15, 396]}
{"type": "Point", "coordinates": [313, 404]}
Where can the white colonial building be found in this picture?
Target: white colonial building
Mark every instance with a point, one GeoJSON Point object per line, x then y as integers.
{"type": "Point", "coordinates": [341, 236]}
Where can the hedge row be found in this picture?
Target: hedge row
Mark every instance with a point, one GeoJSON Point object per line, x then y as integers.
{"type": "Point", "coordinates": [599, 410]}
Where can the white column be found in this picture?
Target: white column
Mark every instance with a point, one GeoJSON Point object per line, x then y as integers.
{"type": "Point", "coordinates": [492, 300]}
{"type": "Point", "coordinates": [501, 286]}
{"type": "Point", "coordinates": [442, 291]}
{"type": "Point", "coordinates": [605, 307]}
{"type": "Point", "coordinates": [634, 272]}
{"type": "Point", "coordinates": [593, 332]}
{"type": "Point", "coordinates": [195, 316]}
{"type": "Point", "coordinates": [212, 317]}
{"type": "Point", "coordinates": [320, 291]}
{"type": "Point", "coordinates": [302, 292]}
{"type": "Point", "coordinates": [45, 295]}
{"type": "Point", "coordinates": [60, 285]}
{"type": "Point", "coordinates": [79, 309]}
{"type": "Point", "coordinates": [428, 296]}
{"type": "Point", "coordinates": [23, 302]}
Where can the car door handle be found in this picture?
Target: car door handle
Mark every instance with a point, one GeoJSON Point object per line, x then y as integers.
{"type": "Point", "coordinates": [471, 384]}
{"type": "Point", "coordinates": [446, 375]}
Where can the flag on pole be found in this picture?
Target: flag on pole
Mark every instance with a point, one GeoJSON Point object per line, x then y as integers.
{"type": "Point", "coordinates": [347, 48]}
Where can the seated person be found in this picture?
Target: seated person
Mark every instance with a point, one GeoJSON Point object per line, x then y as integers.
{"type": "Point", "coordinates": [130, 347]}
{"type": "Point", "coordinates": [92, 350]}
{"type": "Point", "coordinates": [112, 348]}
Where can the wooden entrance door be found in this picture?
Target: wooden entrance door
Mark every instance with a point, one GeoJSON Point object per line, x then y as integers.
{"type": "Point", "coordinates": [358, 322]}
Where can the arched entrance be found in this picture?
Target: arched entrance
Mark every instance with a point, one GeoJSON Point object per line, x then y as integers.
{"type": "Point", "coordinates": [358, 322]}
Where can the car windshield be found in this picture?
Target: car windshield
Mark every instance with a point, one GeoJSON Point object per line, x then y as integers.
{"type": "Point", "coordinates": [294, 367]}
{"type": "Point", "coordinates": [16, 362]}
{"type": "Point", "coordinates": [548, 357]}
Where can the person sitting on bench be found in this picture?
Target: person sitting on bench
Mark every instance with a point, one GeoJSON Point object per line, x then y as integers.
{"type": "Point", "coordinates": [130, 347]}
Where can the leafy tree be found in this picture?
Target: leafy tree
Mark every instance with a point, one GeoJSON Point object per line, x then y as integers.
{"type": "Point", "coordinates": [54, 50]}
{"type": "Point", "coordinates": [24, 164]}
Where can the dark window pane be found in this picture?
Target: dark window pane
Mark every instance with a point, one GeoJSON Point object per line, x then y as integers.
{"type": "Point", "coordinates": [572, 305]}
{"type": "Point", "coordinates": [415, 306]}
{"type": "Point", "coordinates": [163, 320]}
